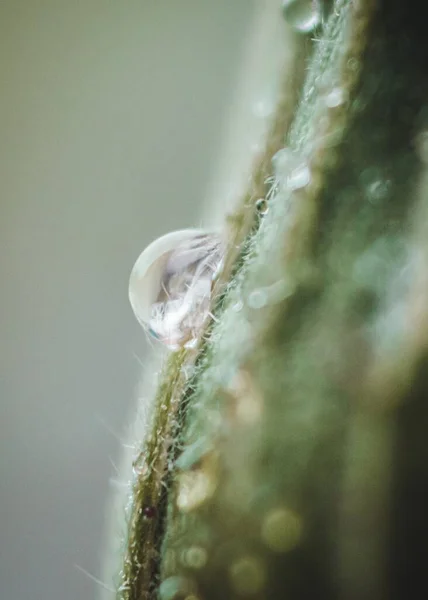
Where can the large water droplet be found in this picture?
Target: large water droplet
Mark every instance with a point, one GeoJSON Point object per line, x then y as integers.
{"type": "Point", "coordinates": [335, 97]}
{"type": "Point", "coordinates": [302, 15]}
{"type": "Point", "coordinates": [171, 285]}
{"type": "Point", "coordinates": [282, 161]}
{"type": "Point", "coordinates": [299, 177]}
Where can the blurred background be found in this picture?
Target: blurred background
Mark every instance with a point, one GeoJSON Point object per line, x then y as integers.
{"type": "Point", "coordinates": [110, 120]}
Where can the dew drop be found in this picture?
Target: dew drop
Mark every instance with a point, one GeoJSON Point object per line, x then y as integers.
{"type": "Point", "coordinates": [262, 206]}
{"type": "Point", "coordinates": [302, 15]}
{"type": "Point", "coordinates": [281, 529]}
{"type": "Point", "coordinates": [353, 64]}
{"type": "Point", "coordinates": [335, 97]}
{"type": "Point", "coordinates": [238, 306]}
{"type": "Point", "coordinates": [247, 575]}
{"type": "Point", "coordinates": [258, 298]}
{"type": "Point", "coordinates": [299, 177]}
{"type": "Point", "coordinates": [282, 161]}
{"type": "Point", "coordinates": [170, 285]}
{"type": "Point", "coordinates": [378, 190]}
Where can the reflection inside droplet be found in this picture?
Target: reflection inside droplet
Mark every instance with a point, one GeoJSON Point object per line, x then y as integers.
{"type": "Point", "coordinates": [335, 97]}
{"type": "Point", "coordinates": [262, 206]}
{"type": "Point", "coordinates": [299, 177]}
{"type": "Point", "coordinates": [171, 285]}
{"type": "Point", "coordinates": [302, 15]}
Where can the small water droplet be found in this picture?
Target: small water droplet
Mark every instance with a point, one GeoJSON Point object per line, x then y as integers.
{"type": "Point", "coordinates": [262, 206]}
{"type": "Point", "coordinates": [335, 97]}
{"type": "Point", "coordinates": [299, 177]}
{"type": "Point", "coordinates": [170, 285]}
{"type": "Point", "coordinates": [282, 161]}
{"type": "Point", "coordinates": [198, 484]}
{"type": "Point", "coordinates": [140, 468]}
{"type": "Point", "coordinates": [194, 557]}
{"type": "Point", "coordinates": [176, 588]}
{"type": "Point", "coordinates": [421, 144]}
{"type": "Point", "coordinates": [270, 294]}
{"type": "Point", "coordinates": [353, 64]}
{"type": "Point", "coordinates": [302, 15]}
{"type": "Point", "coordinates": [257, 298]}
{"type": "Point", "coordinates": [238, 306]}
{"type": "Point", "coordinates": [378, 190]}
{"type": "Point", "coordinates": [248, 575]}
{"type": "Point", "coordinates": [281, 529]}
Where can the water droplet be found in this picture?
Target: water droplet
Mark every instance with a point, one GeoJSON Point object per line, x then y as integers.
{"type": "Point", "coordinates": [176, 588]}
{"type": "Point", "coordinates": [197, 485]}
{"type": "Point", "coordinates": [262, 206]}
{"type": "Point", "coordinates": [271, 294]}
{"type": "Point", "coordinates": [421, 144]}
{"type": "Point", "coordinates": [281, 529]}
{"type": "Point", "coordinates": [170, 285]}
{"type": "Point", "coordinates": [378, 190]}
{"type": "Point", "coordinates": [302, 15]}
{"type": "Point", "coordinates": [195, 557]}
{"type": "Point", "coordinates": [353, 64]}
{"type": "Point", "coordinates": [299, 177]}
{"type": "Point", "coordinates": [238, 306]}
{"type": "Point", "coordinates": [281, 162]}
{"type": "Point", "coordinates": [258, 298]}
{"type": "Point", "coordinates": [376, 185]}
{"type": "Point", "coordinates": [248, 575]}
{"type": "Point", "coordinates": [335, 97]}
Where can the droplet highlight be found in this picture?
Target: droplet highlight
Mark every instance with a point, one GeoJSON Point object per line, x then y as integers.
{"type": "Point", "coordinates": [299, 177]}
{"type": "Point", "coordinates": [302, 15]}
{"type": "Point", "coordinates": [171, 285]}
{"type": "Point", "coordinates": [335, 97]}
{"type": "Point", "coordinates": [262, 206]}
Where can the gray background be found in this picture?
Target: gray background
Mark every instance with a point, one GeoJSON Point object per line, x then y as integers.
{"type": "Point", "coordinates": [110, 115]}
